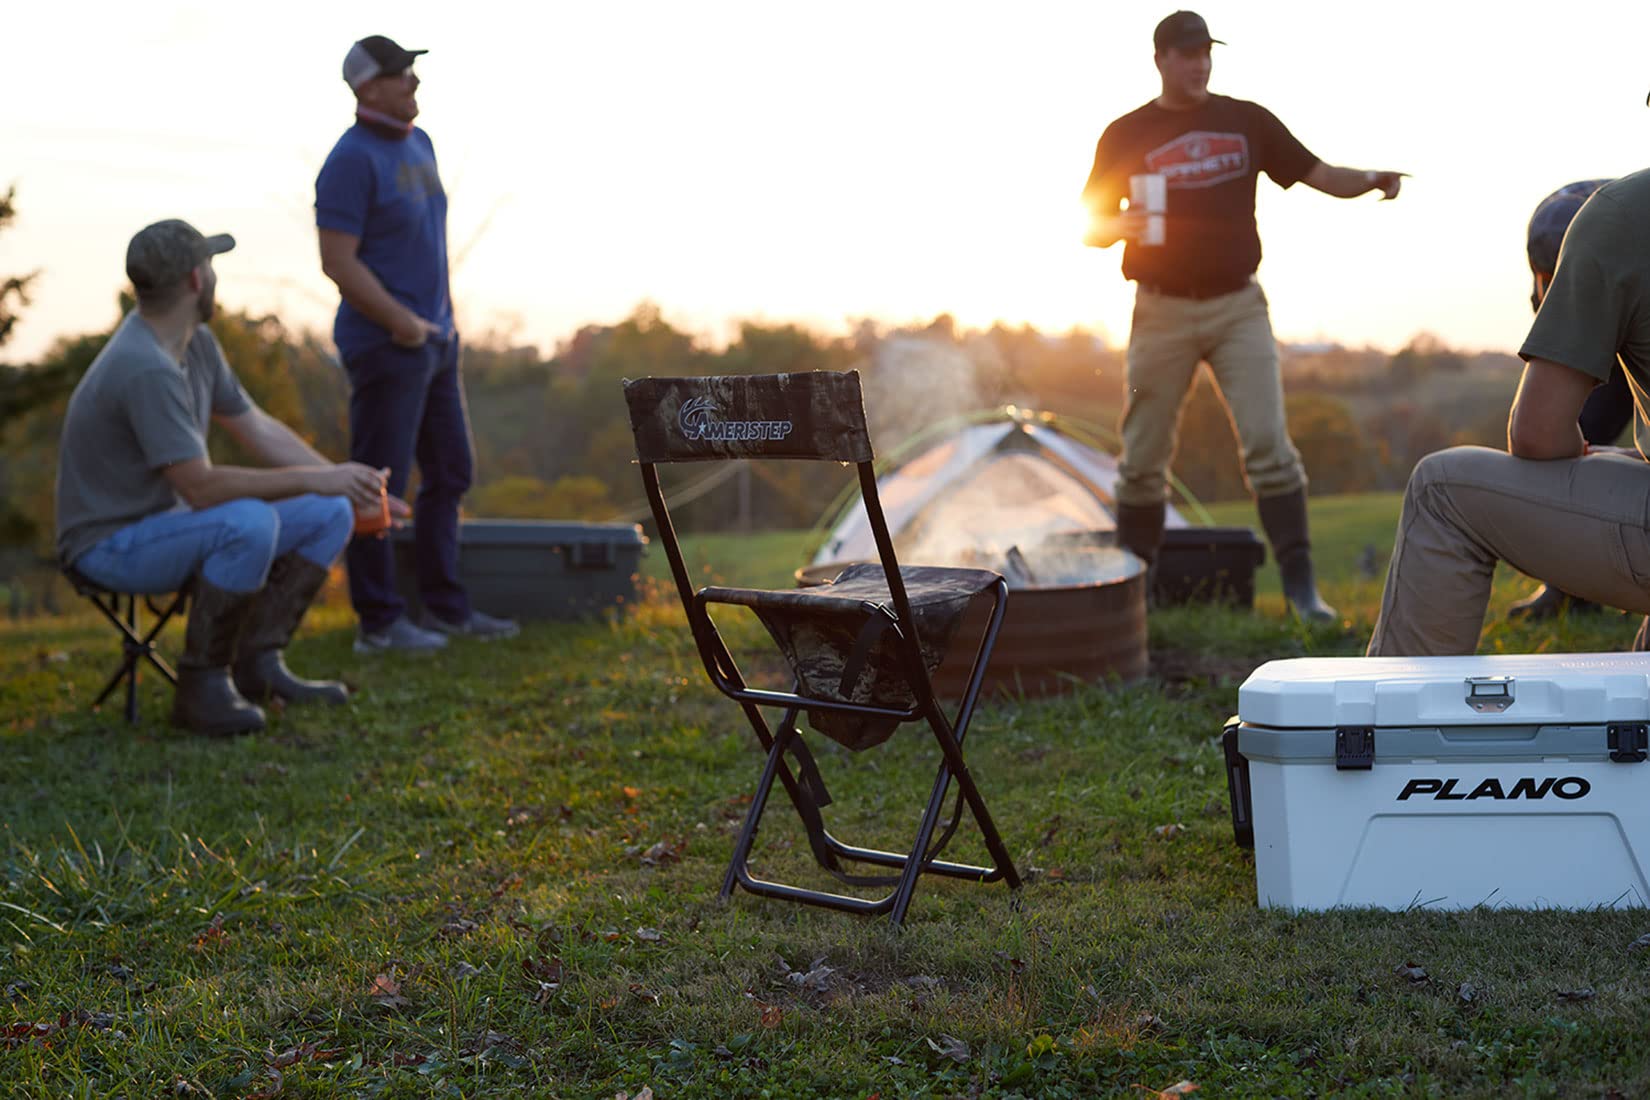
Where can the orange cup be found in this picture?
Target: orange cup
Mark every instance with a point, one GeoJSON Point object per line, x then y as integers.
{"type": "Point", "coordinates": [374, 519]}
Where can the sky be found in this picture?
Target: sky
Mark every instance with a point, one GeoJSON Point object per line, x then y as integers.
{"type": "Point", "coordinates": [813, 163]}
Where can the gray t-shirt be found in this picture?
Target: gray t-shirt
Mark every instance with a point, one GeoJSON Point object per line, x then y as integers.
{"type": "Point", "coordinates": [135, 412]}
{"type": "Point", "coordinates": [1598, 306]}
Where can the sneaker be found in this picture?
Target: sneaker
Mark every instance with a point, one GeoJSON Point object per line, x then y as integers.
{"type": "Point", "coordinates": [478, 625]}
{"type": "Point", "coordinates": [402, 636]}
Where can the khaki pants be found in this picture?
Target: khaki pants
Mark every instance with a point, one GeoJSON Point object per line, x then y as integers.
{"type": "Point", "coordinates": [1169, 337]}
{"type": "Point", "coordinates": [1581, 524]}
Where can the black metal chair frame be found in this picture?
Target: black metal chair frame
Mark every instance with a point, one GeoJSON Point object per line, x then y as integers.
{"type": "Point", "coordinates": [135, 647]}
{"type": "Point", "coordinates": [805, 789]}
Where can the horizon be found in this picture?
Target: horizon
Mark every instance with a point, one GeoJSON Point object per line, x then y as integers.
{"type": "Point", "coordinates": [737, 162]}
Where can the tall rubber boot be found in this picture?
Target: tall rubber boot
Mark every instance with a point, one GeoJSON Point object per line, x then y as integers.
{"type": "Point", "coordinates": [205, 700]}
{"type": "Point", "coordinates": [1140, 529]}
{"type": "Point", "coordinates": [260, 665]}
{"type": "Point", "coordinates": [1548, 603]}
{"type": "Point", "coordinates": [1284, 519]}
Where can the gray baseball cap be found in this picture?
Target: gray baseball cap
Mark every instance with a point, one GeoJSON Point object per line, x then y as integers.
{"type": "Point", "coordinates": [375, 56]}
{"type": "Point", "coordinates": [162, 254]}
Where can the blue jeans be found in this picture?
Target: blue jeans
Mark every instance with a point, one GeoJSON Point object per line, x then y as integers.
{"type": "Point", "coordinates": [407, 404]}
{"type": "Point", "coordinates": [231, 545]}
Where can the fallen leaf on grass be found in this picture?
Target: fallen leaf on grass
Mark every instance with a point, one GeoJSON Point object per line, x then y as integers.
{"type": "Point", "coordinates": [1575, 996]}
{"type": "Point", "coordinates": [386, 991]}
{"type": "Point", "coordinates": [458, 926]}
{"type": "Point", "coordinates": [816, 979]}
{"type": "Point", "coordinates": [1050, 833]}
{"type": "Point", "coordinates": [1179, 1088]}
{"type": "Point", "coordinates": [1169, 831]}
{"type": "Point", "coordinates": [15, 990]}
{"type": "Point", "coordinates": [664, 852]}
{"type": "Point", "coordinates": [289, 1057]}
{"type": "Point", "coordinates": [1411, 973]}
{"type": "Point", "coordinates": [1640, 944]}
{"type": "Point", "coordinates": [632, 793]}
{"type": "Point", "coordinates": [463, 971]}
{"type": "Point", "coordinates": [1466, 993]}
{"type": "Point", "coordinates": [950, 1047]}
{"type": "Point", "coordinates": [649, 935]}
{"type": "Point", "coordinates": [210, 936]}
{"type": "Point", "coordinates": [645, 1094]}
{"type": "Point", "coordinates": [643, 994]}
{"type": "Point", "coordinates": [770, 1016]}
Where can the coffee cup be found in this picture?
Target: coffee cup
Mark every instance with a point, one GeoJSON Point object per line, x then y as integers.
{"type": "Point", "coordinates": [1149, 195]}
{"type": "Point", "coordinates": [374, 519]}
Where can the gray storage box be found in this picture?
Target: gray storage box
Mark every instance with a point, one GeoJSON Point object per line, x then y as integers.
{"type": "Point", "coordinates": [536, 569]}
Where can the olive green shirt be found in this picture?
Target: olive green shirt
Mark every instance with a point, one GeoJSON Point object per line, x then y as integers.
{"type": "Point", "coordinates": [1597, 309]}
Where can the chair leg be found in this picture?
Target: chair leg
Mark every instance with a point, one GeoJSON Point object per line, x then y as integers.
{"type": "Point", "coordinates": [131, 661]}
{"type": "Point", "coordinates": [737, 867]}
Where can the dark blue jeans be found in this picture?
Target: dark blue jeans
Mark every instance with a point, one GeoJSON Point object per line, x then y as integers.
{"type": "Point", "coordinates": [407, 404]}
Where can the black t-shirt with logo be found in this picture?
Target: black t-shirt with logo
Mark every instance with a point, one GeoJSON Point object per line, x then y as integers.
{"type": "Point", "coordinates": [1211, 156]}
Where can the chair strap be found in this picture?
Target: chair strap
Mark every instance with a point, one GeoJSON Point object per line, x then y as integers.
{"type": "Point", "coordinates": [854, 667]}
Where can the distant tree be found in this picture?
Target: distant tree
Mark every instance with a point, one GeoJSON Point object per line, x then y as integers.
{"type": "Point", "coordinates": [13, 288]}
{"type": "Point", "coordinates": [1337, 457]}
{"type": "Point", "coordinates": [21, 388]}
{"type": "Point", "coordinates": [1424, 354]}
{"type": "Point", "coordinates": [1206, 457]}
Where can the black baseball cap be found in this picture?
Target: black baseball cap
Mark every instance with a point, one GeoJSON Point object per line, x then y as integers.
{"type": "Point", "coordinates": [375, 56]}
{"type": "Point", "coordinates": [1181, 29]}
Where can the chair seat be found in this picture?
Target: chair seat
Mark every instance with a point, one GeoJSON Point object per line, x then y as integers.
{"type": "Point", "coordinates": [926, 586]}
{"type": "Point", "coordinates": [833, 636]}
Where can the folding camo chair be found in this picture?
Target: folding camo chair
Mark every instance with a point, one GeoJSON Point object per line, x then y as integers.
{"type": "Point", "coordinates": [862, 649]}
{"type": "Point", "coordinates": [134, 646]}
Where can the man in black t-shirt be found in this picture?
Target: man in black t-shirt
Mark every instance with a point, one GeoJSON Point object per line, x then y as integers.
{"type": "Point", "coordinates": [1197, 301]}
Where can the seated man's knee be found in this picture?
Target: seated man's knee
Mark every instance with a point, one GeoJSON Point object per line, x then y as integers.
{"type": "Point", "coordinates": [250, 525]}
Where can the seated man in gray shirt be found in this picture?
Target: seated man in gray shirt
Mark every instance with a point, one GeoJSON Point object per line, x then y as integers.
{"type": "Point", "coordinates": [142, 508]}
{"type": "Point", "coordinates": [1569, 513]}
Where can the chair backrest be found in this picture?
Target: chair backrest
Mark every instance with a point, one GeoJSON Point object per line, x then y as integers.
{"type": "Point", "coordinates": [818, 415]}
{"type": "Point", "coordinates": [813, 415]}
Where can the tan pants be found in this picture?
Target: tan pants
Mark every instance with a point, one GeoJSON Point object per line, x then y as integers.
{"type": "Point", "coordinates": [1580, 524]}
{"type": "Point", "coordinates": [1169, 337]}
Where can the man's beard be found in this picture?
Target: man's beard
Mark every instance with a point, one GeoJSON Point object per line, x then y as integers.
{"type": "Point", "coordinates": [203, 306]}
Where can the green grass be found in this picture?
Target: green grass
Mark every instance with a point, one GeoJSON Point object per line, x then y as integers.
{"type": "Point", "coordinates": [524, 841]}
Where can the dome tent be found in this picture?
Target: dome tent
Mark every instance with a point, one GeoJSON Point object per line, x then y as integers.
{"type": "Point", "coordinates": [1012, 478]}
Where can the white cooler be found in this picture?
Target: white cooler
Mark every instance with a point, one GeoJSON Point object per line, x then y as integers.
{"type": "Point", "coordinates": [1445, 782]}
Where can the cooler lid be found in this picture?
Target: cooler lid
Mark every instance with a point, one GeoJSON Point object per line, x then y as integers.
{"type": "Point", "coordinates": [1523, 689]}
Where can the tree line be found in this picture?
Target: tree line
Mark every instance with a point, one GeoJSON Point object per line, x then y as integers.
{"type": "Point", "coordinates": [553, 438]}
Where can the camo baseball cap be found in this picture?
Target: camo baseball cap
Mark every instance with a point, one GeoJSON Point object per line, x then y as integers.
{"type": "Point", "coordinates": [375, 56]}
{"type": "Point", "coordinates": [163, 253]}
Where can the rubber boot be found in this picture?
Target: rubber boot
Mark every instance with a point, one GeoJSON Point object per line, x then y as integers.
{"type": "Point", "coordinates": [1284, 518]}
{"type": "Point", "coordinates": [1548, 603]}
{"type": "Point", "coordinates": [260, 665]}
{"type": "Point", "coordinates": [205, 700]}
{"type": "Point", "coordinates": [1140, 529]}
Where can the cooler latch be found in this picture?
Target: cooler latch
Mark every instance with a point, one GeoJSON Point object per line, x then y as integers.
{"type": "Point", "coordinates": [1490, 694]}
{"type": "Point", "coordinates": [1629, 742]}
{"type": "Point", "coordinates": [1354, 748]}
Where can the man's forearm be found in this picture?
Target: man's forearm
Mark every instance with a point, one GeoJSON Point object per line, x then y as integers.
{"type": "Point", "coordinates": [225, 483]}
{"type": "Point", "coordinates": [361, 289]}
{"type": "Point", "coordinates": [275, 444]}
{"type": "Point", "coordinates": [1345, 183]}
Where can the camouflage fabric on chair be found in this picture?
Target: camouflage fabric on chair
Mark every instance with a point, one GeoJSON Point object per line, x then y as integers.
{"type": "Point", "coordinates": [862, 649]}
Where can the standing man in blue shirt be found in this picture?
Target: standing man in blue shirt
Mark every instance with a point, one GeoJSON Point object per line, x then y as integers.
{"type": "Point", "coordinates": [382, 218]}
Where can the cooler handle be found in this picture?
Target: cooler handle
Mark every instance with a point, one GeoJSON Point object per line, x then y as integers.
{"type": "Point", "coordinates": [1237, 785]}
